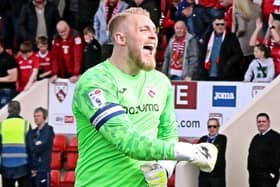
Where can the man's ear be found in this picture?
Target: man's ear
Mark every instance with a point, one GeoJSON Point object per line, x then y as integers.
{"type": "Point", "coordinates": [120, 38]}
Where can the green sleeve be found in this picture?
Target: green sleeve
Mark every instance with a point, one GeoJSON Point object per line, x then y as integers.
{"type": "Point", "coordinates": [168, 126]}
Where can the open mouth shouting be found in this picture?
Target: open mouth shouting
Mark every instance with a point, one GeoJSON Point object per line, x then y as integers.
{"type": "Point", "coordinates": [149, 49]}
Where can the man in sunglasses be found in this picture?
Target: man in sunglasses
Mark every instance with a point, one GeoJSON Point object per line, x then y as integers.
{"type": "Point", "coordinates": [217, 177]}
{"type": "Point", "coordinates": [222, 53]}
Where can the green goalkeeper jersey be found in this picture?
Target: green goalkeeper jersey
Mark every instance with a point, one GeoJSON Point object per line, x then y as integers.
{"type": "Point", "coordinates": [123, 121]}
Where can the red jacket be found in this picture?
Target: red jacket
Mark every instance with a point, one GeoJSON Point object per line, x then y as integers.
{"type": "Point", "coordinates": [67, 55]}
{"type": "Point", "coordinates": [228, 16]}
{"type": "Point", "coordinates": [210, 3]}
{"type": "Point", "coordinates": [267, 8]}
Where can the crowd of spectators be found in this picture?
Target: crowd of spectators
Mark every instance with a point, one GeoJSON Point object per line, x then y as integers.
{"type": "Point", "coordinates": [63, 38]}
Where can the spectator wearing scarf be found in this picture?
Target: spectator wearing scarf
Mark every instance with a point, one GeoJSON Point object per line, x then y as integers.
{"type": "Point", "coordinates": [181, 54]}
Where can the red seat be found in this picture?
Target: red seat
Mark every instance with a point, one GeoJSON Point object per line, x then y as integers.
{"type": "Point", "coordinates": [68, 179]}
{"type": "Point", "coordinates": [55, 178]}
{"type": "Point", "coordinates": [171, 180]}
{"type": "Point", "coordinates": [59, 142]}
{"type": "Point", "coordinates": [73, 145]}
{"type": "Point", "coordinates": [56, 160]}
{"type": "Point", "coordinates": [71, 160]}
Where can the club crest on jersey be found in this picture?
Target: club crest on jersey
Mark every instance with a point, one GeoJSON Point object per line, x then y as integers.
{"type": "Point", "coordinates": [151, 91]}
{"type": "Point", "coordinates": [77, 40]}
{"type": "Point", "coordinates": [97, 98]}
{"type": "Point", "coordinates": [61, 90]}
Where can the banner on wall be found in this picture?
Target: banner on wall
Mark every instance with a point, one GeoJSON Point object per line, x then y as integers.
{"type": "Point", "coordinates": [195, 102]}
{"type": "Point", "coordinates": [60, 106]}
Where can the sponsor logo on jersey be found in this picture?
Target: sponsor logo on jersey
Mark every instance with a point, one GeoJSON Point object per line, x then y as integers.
{"type": "Point", "coordinates": [97, 98]}
{"type": "Point", "coordinates": [61, 89]}
{"type": "Point", "coordinates": [65, 49]}
{"type": "Point", "coordinates": [224, 96]}
{"type": "Point", "coordinates": [141, 108]}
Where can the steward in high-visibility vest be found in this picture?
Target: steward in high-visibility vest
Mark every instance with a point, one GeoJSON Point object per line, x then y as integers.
{"type": "Point", "coordinates": [13, 132]}
{"type": "Point", "coordinates": [14, 163]}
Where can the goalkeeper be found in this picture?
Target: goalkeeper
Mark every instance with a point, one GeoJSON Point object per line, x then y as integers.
{"type": "Point", "coordinates": [124, 109]}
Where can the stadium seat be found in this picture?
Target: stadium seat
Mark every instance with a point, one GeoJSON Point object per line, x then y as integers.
{"type": "Point", "coordinates": [73, 145]}
{"type": "Point", "coordinates": [55, 178]}
{"type": "Point", "coordinates": [56, 160]}
{"type": "Point", "coordinates": [68, 179]}
{"type": "Point", "coordinates": [71, 160]}
{"type": "Point", "coordinates": [171, 180]}
{"type": "Point", "coordinates": [59, 143]}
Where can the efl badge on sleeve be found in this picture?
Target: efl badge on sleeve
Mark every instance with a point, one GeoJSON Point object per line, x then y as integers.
{"type": "Point", "coordinates": [61, 89]}
{"type": "Point", "coordinates": [97, 98]}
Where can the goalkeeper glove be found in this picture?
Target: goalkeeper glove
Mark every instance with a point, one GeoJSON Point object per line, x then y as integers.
{"type": "Point", "coordinates": [203, 155]}
{"type": "Point", "coordinates": [155, 175]}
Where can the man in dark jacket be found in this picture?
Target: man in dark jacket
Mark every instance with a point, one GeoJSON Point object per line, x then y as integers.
{"type": "Point", "coordinates": [41, 141]}
{"type": "Point", "coordinates": [217, 177]}
{"type": "Point", "coordinates": [38, 18]}
{"type": "Point", "coordinates": [223, 54]}
{"type": "Point", "coordinates": [264, 155]}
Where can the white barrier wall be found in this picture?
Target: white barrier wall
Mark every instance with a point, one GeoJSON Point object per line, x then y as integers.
{"type": "Point", "coordinates": [240, 129]}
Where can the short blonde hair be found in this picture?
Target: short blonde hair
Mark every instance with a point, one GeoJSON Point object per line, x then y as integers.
{"type": "Point", "coordinates": [120, 17]}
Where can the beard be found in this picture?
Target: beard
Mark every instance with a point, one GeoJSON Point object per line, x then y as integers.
{"type": "Point", "coordinates": [139, 62]}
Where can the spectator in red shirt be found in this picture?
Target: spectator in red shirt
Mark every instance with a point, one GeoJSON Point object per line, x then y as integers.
{"type": "Point", "coordinates": [227, 5]}
{"type": "Point", "coordinates": [67, 51]}
{"type": "Point", "coordinates": [45, 58]}
{"type": "Point", "coordinates": [212, 8]}
{"type": "Point", "coordinates": [28, 65]}
{"type": "Point", "coordinates": [267, 8]}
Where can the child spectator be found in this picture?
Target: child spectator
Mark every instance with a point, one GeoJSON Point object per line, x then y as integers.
{"type": "Point", "coordinates": [92, 50]}
{"type": "Point", "coordinates": [261, 69]}
{"type": "Point", "coordinates": [28, 65]}
{"type": "Point", "coordinates": [45, 59]}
